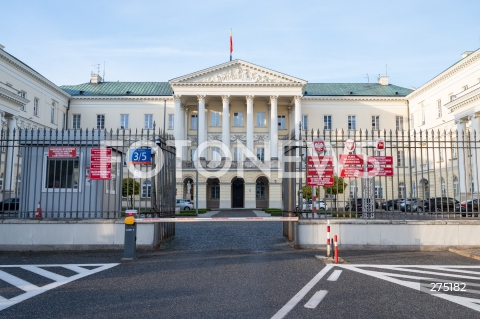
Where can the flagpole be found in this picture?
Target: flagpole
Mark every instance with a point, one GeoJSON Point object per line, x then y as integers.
{"type": "Point", "coordinates": [231, 44]}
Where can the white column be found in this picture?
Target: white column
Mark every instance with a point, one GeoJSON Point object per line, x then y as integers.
{"type": "Point", "coordinates": [475, 121]}
{"type": "Point", "coordinates": [461, 129]}
{"type": "Point", "coordinates": [249, 127]}
{"type": "Point", "coordinates": [177, 117]}
{"type": "Point", "coordinates": [9, 176]}
{"type": "Point", "coordinates": [226, 122]}
{"type": "Point", "coordinates": [185, 131]}
{"type": "Point", "coordinates": [273, 127]}
{"type": "Point", "coordinates": [201, 125]}
{"type": "Point", "coordinates": [298, 114]}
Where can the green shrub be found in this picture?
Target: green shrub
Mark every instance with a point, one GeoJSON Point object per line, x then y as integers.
{"type": "Point", "coordinates": [276, 214]}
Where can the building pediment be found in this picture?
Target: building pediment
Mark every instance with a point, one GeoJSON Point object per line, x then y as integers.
{"type": "Point", "coordinates": [237, 72]}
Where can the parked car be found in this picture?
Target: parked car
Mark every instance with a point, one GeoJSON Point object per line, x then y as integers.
{"type": "Point", "coordinates": [356, 205]}
{"type": "Point", "coordinates": [184, 204]}
{"type": "Point", "coordinates": [393, 204]}
{"type": "Point", "coordinates": [413, 205]}
{"type": "Point", "coordinates": [470, 206]}
{"type": "Point", "coordinates": [9, 204]}
{"type": "Point", "coordinates": [442, 204]}
{"type": "Point", "coordinates": [307, 205]}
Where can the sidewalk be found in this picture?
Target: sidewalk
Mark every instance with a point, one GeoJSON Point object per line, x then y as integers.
{"type": "Point", "coordinates": [469, 252]}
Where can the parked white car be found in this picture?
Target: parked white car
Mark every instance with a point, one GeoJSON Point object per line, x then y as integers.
{"type": "Point", "coordinates": [307, 205]}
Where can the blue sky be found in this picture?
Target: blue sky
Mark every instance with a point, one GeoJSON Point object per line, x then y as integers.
{"type": "Point", "coordinates": [318, 41]}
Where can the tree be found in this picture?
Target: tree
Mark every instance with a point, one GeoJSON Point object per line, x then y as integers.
{"type": "Point", "coordinates": [338, 187]}
{"type": "Point", "coordinates": [130, 187]}
{"type": "Point", "coordinates": [307, 192]}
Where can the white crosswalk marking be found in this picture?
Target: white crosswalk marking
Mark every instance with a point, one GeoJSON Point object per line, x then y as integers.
{"type": "Point", "coordinates": [32, 290]}
{"type": "Point", "coordinates": [334, 276]}
{"type": "Point", "coordinates": [316, 299]}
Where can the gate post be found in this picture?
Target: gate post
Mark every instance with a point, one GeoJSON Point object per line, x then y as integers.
{"type": "Point", "coordinates": [130, 241]}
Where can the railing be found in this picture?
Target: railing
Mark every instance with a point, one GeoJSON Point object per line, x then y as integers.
{"type": "Point", "coordinates": [439, 172]}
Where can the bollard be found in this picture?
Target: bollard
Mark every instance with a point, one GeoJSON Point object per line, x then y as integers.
{"type": "Point", "coordinates": [130, 243]}
{"type": "Point", "coordinates": [328, 238]}
{"type": "Point", "coordinates": [336, 249]}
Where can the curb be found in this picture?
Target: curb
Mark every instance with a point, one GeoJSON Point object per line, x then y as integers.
{"type": "Point", "coordinates": [466, 253]}
{"type": "Point", "coordinates": [329, 260]}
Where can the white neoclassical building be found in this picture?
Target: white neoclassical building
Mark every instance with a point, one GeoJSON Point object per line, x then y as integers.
{"type": "Point", "coordinates": [238, 113]}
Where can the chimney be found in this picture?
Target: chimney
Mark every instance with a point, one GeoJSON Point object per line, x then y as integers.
{"type": "Point", "coordinates": [466, 53]}
{"type": "Point", "coordinates": [96, 79]}
{"type": "Point", "coordinates": [383, 80]}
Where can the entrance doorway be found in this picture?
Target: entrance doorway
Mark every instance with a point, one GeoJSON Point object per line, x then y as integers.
{"type": "Point", "coordinates": [238, 188]}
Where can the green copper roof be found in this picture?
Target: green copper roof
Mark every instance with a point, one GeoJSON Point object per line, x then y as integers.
{"type": "Point", "coordinates": [119, 88]}
{"type": "Point", "coordinates": [354, 89]}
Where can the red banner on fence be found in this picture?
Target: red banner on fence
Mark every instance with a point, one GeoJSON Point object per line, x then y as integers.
{"type": "Point", "coordinates": [319, 160]}
{"type": "Point", "coordinates": [351, 159]}
{"type": "Point", "coordinates": [320, 181]}
{"type": "Point", "coordinates": [380, 160]}
{"type": "Point", "coordinates": [62, 152]}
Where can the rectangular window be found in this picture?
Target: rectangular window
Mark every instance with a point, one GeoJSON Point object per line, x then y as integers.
{"type": "Point", "coordinates": [400, 158]}
{"type": "Point", "coordinates": [352, 122]}
{"type": "Point", "coordinates": [215, 191]}
{"type": "Point", "coordinates": [35, 106]}
{"type": "Point", "coordinates": [148, 121]}
{"type": "Point", "coordinates": [52, 112]}
{"type": "Point", "coordinates": [216, 156]}
{"type": "Point", "coordinates": [439, 108]}
{"type": "Point", "coordinates": [194, 121]}
{"type": "Point", "coordinates": [62, 173]}
{"type": "Point", "coordinates": [378, 191]}
{"type": "Point", "coordinates": [147, 189]}
{"type": "Point", "coordinates": [192, 154]}
{"type": "Point", "coordinates": [423, 116]}
{"type": "Point", "coordinates": [261, 153]}
{"type": "Point", "coordinates": [171, 119]}
{"type": "Point", "coordinates": [24, 95]}
{"type": "Point", "coordinates": [124, 121]}
{"type": "Point", "coordinates": [327, 122]}
{"type": "Point", "coordinates": [281, 122]}
{"type": "Point", "coordinates": [76, 121]}
{"type": "Point", "coordinates": [215, 119]}
{"type": "Point", "coordinates": [237, 154]}
{"type": "Point", "coordinates": [100, 121]}
{"type": "Point", "coordinates": [261, 119]}
{"type": "Point", "coordinates": [304, 122]}
{"type": "Point", "coordinates": [399, 123]}
{"type": "Point", "coordinates": [237, 119]}
{"type": "Point", "coordinates": [375, 122]}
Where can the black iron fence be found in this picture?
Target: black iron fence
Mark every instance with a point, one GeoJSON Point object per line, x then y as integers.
{"type": "Point", "coordinates": [86, 173]}
{"type": "Point", "coordinates": [389, 174]}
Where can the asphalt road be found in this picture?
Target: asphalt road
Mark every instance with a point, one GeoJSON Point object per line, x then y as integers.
{"type": "Point", "coordinates": [230, 270]}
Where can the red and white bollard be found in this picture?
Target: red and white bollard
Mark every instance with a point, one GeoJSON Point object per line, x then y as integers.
{"type": "Point", "coordinates": [328, 239]}
{"type": "Point", "coordinates": [335, 242]}
{"type": "Point", "coordinates": [38, 213]}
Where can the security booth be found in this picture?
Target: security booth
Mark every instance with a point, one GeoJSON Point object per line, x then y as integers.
{"type": "Point", "coordinates": [69, 174]}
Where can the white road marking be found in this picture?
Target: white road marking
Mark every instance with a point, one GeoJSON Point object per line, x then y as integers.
{"type": "Point", "coordinates": [334, 276]}
{"type": "Point", "coordinates": [316, 299]}
{"type": "Point", "coordinates": [381, 272]}
{"type": "Point", "coordinates": [301, 294]}
{"type": "Point", "coordinates": [33, 290]}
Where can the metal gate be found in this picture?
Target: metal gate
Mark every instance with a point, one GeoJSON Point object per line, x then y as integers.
{"type": "Point", "coordinates": [77, 174]}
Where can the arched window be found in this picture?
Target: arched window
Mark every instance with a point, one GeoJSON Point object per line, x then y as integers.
{"type": "Point", "coordinates": [455, 186]}
{"type": "Point", "coordinates": [146, 189]}
{"type": "Point", "coordinates": [215, 190]}
{"type": "Point", "coordinates": [443, 186]}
